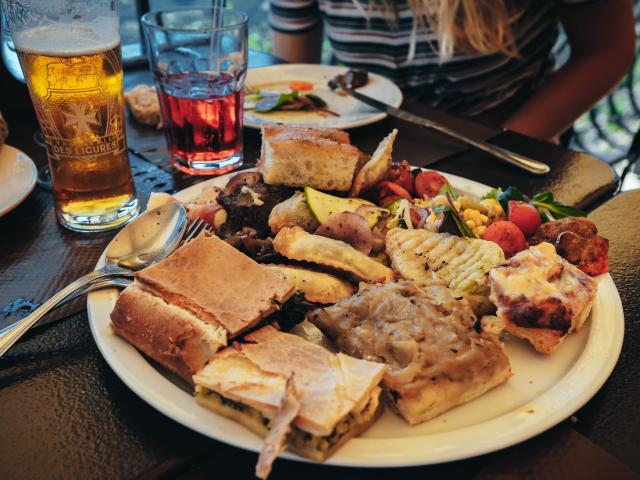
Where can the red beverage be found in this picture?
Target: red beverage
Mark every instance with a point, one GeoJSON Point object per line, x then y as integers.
{"type": "Point", "coordinates": [202, 116]}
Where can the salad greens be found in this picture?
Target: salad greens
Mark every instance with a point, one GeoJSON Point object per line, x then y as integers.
{"type": "Point", "coordinates": [549, 208]}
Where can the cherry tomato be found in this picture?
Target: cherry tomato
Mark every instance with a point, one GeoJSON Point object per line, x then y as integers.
{"type": "Point", "coordinates": [428, 184]}
{"type": "Point", "coordinates": [388, 188]}
{"type": "Point", "coordinates": [525, 216]}
{"type": "Point", "coordinates": [400, 174]}
{"type": "Point", "coordinates": [300, 85]}
{"type": "Point", "coordinates": [507, 235]}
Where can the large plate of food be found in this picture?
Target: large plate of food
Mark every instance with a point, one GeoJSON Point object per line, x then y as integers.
{"type": "Point", "coordinates": [365, 313]}
{"type": "Point", "coordinates": [299, 94]}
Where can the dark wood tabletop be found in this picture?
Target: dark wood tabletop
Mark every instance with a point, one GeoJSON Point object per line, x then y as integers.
{"type": "Point", "coordinates": [65, 414]}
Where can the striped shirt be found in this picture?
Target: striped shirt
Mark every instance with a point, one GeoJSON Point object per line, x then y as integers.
{"type": "Point", "coordinates": [465, 84]}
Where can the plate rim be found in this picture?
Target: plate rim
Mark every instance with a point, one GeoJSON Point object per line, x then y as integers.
{"type": "Point", "coordinates": [374, 118]}
{"type": "Point", "coordinates": [516, 425]}
{"type": "Point", "coordinates": [28, 187]}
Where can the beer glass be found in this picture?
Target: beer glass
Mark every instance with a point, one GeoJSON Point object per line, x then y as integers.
{"type": "Point", "coordinates": [70, 55]}
{"type": "Point", "coordinates": [198, 57]}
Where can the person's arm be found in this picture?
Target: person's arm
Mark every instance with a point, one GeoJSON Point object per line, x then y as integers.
{"type": "Point", "coordinates": [303, 47]}
{"type": "Point", "coordinates": [601, 35]}
{"type": "Point", "coordinates": [296, 30]}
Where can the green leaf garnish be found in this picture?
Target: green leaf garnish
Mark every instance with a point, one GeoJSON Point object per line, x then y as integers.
{"type": "Point", "coordinates": [268, 103]}
{"type": "Point", "coordinates": [554, 210]}
{"type": "Point", "coordinates": [446, 189]}
{"type": "Point", "coordinates": [465, 231]}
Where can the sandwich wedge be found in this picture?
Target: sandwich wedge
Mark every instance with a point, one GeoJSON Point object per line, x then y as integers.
{"type": "Point", "coordinates": [338, 394]}
{"type": "Point", "coordinates": [182, 310]}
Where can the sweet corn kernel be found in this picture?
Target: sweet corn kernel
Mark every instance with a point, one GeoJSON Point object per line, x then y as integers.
{"type": "Point", "coordinates": [471, 224]}
{"type": "Point", "coordinates": [479, 231]}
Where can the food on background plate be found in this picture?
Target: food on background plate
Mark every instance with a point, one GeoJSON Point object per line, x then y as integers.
{"type": "Point", "coordinates": [541, 297]}
{"type": "Point", "coordinates": [296, 244]}
{"type": "Point", "coordinates": [143, 103]}
{"type": "Point", "coordinates": [338, 394]}
{"type": "Point", "coordinates": [576, 240]}
{"type": "Point", "coordinates": [292, 101]}
{"type": "Point", "coordinates": [318, 158]}
{"type": "Point", "coordinates": [376, 168]}
{"type": "Point", "coordinates": [426, 334]}
{"type": "Point", "coordinates": [182, 309]}
{"type": "Point", "coordinates": [317, 287]}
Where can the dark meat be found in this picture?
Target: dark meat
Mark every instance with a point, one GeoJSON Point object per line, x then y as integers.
{"type": "Point", "coordinates": [576, 239]}
{"type": "Point", "coordinates": [243, 211]}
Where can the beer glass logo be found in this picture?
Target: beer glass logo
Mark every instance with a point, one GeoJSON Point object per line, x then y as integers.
{"type": "Point", "coordinates": [86, 120]}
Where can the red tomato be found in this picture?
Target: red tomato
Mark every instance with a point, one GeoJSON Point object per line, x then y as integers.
{"type": "Point", "coordinates": [429, 183]}
{"type": "Point", "coordinates": [388, 188]}
{"type": "Point", "coordinates": [525, 216]}
{"type": "Point", "coordinates": [415, 217]}
{"type": "Point", "coordinates": [300, 85]}
{"type": "Point", "coordinates": [507, 235]}
{"type": "Point", "coordinates": [401, 175]}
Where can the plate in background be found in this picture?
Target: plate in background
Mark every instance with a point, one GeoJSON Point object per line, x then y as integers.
{"type": "Point", "coordinates": [18, 176]}
{"type": "Point", "coordinates": [352, 113]}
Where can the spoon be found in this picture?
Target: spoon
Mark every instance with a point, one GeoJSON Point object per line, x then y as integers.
{"type": "Point", "coordinates": [147, 240]}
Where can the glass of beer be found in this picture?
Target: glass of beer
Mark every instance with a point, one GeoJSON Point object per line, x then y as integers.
{"type": "Point", "coordinates": [198, 57]}
{"type": "Point", "coordinates": [70, 55]}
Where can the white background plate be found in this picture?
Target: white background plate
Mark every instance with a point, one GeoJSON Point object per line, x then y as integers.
{"type": "Point", "coordinates": [543, 391]}
{"type": "Point", "coordinates": [18, 176]}
{"type": "Point", "coordinates": [352, 112]}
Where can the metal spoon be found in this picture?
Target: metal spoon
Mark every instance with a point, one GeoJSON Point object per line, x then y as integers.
{"type": "Point", "coordinates": [147, 240]}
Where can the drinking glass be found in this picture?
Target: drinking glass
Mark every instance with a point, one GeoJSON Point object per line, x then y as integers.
{"type": "Point", "coordinates": [198, 57]}
{"type": "Point", "coordinates": [70, 55]}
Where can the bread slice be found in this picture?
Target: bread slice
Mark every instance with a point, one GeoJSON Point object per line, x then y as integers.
{"type": "Point", "coordinates": [172, 336]}
{"type": "Point", "coordinates": [374, 170]}
{"type": "Point", "coordinates": [218, 284]}
{"type": "Point", "coordinates": [541, 297]}
{"type": "Point", "coordinates": [299, 132]}
{"type": "Point", "coordinates": [315, 158]}
{"type": "Point", "coordinates": [339, 394]}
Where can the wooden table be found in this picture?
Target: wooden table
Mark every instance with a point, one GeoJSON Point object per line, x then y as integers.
{"type": "Point", "coordinates": [64, 413]}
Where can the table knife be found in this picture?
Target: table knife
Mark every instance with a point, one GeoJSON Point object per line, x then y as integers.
{"type": "Point", "coordinates": [530, 165]}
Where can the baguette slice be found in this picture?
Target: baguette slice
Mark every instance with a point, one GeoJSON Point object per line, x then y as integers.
{"type": "Point", "coordinates": [314, 159]}
{"type": "Point", "coordinates": [296, 244]}
{"type": "Point", "coordinates": [218, 284]}
{"type": "Point", "coordinates": [172, 336]}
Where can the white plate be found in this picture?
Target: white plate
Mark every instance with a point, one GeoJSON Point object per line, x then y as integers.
{"type": "Point", "coordinates": [543, 391]}
{"type": "Point", "coordinates": [352, 112]}
{"type": "Point", "coordinates": [18, 176]}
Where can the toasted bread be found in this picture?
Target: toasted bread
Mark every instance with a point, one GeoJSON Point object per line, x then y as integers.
{"type": "Point", "coordinates": [374, 170]}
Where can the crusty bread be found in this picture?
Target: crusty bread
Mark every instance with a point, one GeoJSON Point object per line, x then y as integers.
{"type": "Point", "coordinates": [218, 284]}
{"type": "Point", "coordinates": [143, 102]}
{"type": "Point", "coordinates": [296, 244]}
{"type": "Point", "coordinates": [314, 159]}
{"type": "Point", "coordinates": [170, 335]}
{"type": "Point", "coordinates": [293, 212]}
{"type": "Point", "coordinates": [374, 170]}
{"type": "Point", "coordinates": [317, 287]}
{"type": "Point", "coordinates": [299, 132]}
{"type": "Point", "coordinates": [255, 373]}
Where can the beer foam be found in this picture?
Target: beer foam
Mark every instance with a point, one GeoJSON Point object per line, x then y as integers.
{"type": "Point", "coordinates": [69, 40]}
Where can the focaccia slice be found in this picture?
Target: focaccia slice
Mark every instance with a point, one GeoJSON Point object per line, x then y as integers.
{"type": "Point", "coordinates": [296, 244]}
{"type": "Point", "coordinates": [541, 297]}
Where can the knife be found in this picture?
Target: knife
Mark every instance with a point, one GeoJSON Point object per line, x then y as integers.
{"type": "Point", "coordinates": [530, 165]}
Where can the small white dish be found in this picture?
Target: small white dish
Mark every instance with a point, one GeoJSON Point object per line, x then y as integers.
{"type": "Point", "coordinates": [18, 176]}
{"type": "Point", "coordinates": [352, 113]}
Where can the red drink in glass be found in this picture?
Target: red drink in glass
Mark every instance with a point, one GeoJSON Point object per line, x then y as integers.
{"type": "Point", "coordinates": [202, 116]}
